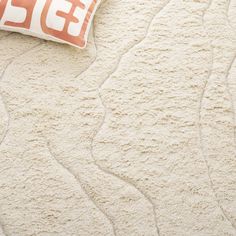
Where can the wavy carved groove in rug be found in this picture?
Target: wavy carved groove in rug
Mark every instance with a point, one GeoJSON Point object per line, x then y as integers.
{"type": "Point", "coordinates": [219, 135]}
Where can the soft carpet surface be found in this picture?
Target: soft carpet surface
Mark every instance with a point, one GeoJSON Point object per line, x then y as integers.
{"type": "Point", "coordinates": [133, 136]}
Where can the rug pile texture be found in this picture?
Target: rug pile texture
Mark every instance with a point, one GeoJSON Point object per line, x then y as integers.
{"type": "Point", "coordinates": [133, 136]}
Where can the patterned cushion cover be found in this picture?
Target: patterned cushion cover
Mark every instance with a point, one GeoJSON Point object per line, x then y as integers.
{"type": "Point", "coordinates": [66, 21]}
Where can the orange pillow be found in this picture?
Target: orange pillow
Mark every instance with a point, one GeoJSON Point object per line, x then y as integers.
{"type": "Point", "coordinates": [66, 21]}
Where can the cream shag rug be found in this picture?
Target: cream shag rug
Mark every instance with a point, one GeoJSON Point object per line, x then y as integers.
{"type": "Point", "coordinates": [133, 136]}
